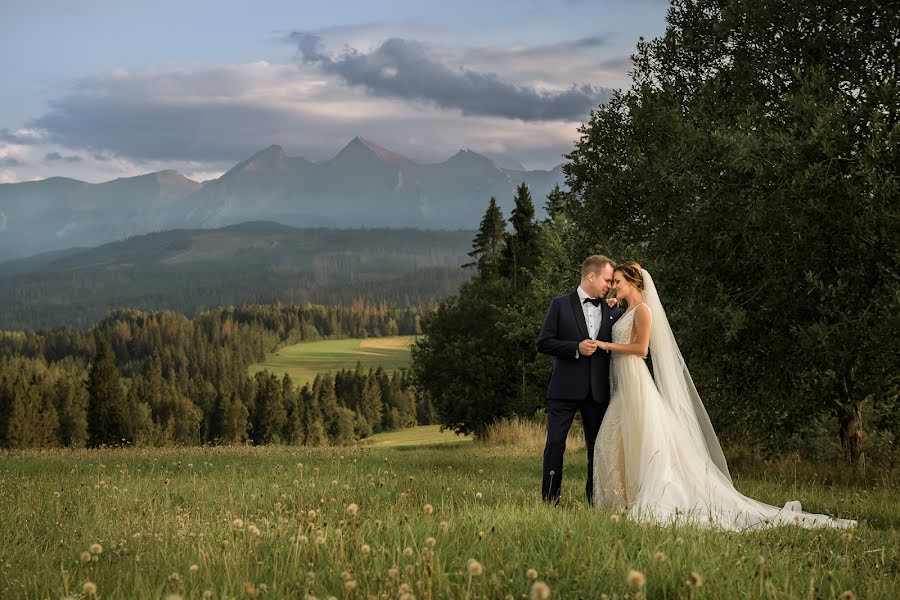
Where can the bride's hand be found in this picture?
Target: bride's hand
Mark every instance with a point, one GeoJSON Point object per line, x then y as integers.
{"type": "Point", "coordinates": [612, 302]}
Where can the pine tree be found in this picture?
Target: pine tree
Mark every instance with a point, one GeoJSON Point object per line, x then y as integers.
{"type": "Point", "coordinates": [107, 410]}
{"type": "Point", "coordinates": [556, 203]}
{"type": "Point", "coordinates": [522, 250]}
{"type": "Point", "coordinates": [71, 406]}
{"type": "Point", "coordinates": [487, 247]}
{"type": "Point", "coordinates": [370, 404]}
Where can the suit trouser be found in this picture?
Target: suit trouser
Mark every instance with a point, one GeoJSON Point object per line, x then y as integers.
{"type": "Point", "coordinates": [560, 414]}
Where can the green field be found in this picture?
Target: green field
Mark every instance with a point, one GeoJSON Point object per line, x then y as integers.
{"type": "Point", "coordinates": [304, 360]}
{"type": "Point", "coordinates": [273, 522]}
{"type": "Point", "coordinates": [414, 436]}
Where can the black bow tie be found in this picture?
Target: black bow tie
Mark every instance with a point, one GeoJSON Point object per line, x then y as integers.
{"type": "Point", "coordinates": [594, 301]}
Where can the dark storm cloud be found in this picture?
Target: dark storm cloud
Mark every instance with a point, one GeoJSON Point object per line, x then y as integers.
{"type": "Point", "coordinates": [401, 68]}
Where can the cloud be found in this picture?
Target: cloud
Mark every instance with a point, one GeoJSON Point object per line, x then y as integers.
{"type": "Point", "coordinates": [11, 161]}
{"type": "Point", "coordinates": [21, 136]}
{"type": "Point", "coordinates": [56, 156]}
{"type": "Point", "coordinates": [404, 69]}
{"type": "Point", "coordinates": [206, 119]}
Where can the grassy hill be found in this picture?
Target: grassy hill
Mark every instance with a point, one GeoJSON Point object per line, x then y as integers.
{"type": "Point", "coordinates": [184, 270]}
{"type": "Point", "coordinates": [350, 522]}
{"type": "Point", "coordinates": [303, 361]}
{"type": "Point", "coordinates": [424, 435]}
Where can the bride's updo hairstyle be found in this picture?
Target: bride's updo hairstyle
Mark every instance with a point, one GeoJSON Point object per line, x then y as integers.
{"type": "Point", "coordinates": [631, 270]}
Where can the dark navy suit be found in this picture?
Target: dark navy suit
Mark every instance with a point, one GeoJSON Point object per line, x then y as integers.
{"type": "Point", "coordinates": [577, 384]}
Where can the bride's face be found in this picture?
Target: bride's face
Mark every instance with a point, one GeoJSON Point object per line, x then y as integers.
{"type": "Point", "coordinates": [621, 285]}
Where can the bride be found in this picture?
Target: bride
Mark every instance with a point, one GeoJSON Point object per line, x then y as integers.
{"type": "Point", "coordinates": [657, 457]}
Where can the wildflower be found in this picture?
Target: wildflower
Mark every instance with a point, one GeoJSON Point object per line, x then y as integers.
{"type": "Point", "coordinates": [444, 526]}
{"type": "Point", "coordinates": [393, 573]}
{"type": "Point", "coordinates": [660, 556]}
{"type": "Point", "coordinates": [695, 580]}
{"type": "Point", "coordinates": [428, 509]}
{"type": "Point", "coordinates": [474, 567]}
{"type": "Point", "coordinates": [250, 589]}
{"type": "Point", "coordinates": [352, 509]}
{"type": "Point", "coordinates": [410, 570]}
{"type": "Point", "coordinates": [614, 518]}
{"type": "Point", "coordinates": [847, 535]}
{"type": "Point", "coordinates": [407, 596]}
{"type": "Point", "coordinates": [531, 574]}
{"type": "Point", "coordinates": [430, 542]}
{"type": "Point", "coordinates": [847, 595]}
{"type": "Point", "coordinates": [96, 548]}
{"type": "Point", "coordinates": [311, 514]}
{"type": "Point", "coordinates": [364, 549]}
{"type": "Point", "coordinates": [89, 588]}
{"type": "Point", "coordinates": [194, 568]}
{"type": "Point", "coordinates": [253, 529]}
{"type": "Point", "coordinates": [320, 539]}
{"type": "Point", "coordinates": [478, 496]}
{"type": "Point", "coordinates": [206, 594]}
{"type": "Point", "coordinates": [174, 597]}
{"type": "Point", "coordinates": [407, 551]}
{"type": "Point", "coordinates": [540, 591]}
{"type": "Point", "coordinates": [302, 539]}
{"type": "Point", "coordinates": [86, 556]}
{"type": "Point", "coordinates": [237, 523]}
{"type": "Point", "coordinates": [350, 585]}
{"type": "Point", "coordinates": [636, 579]}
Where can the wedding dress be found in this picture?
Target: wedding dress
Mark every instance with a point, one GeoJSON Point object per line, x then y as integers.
{"type": "Point", "coordinates": [657, 457]}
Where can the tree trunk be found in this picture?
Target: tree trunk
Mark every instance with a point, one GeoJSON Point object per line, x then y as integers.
{"type": "Point", "coordinates": [851, 429]}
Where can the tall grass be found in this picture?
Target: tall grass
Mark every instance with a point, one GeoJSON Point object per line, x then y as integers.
{"type": "Point", "coordinates": [277, 522]}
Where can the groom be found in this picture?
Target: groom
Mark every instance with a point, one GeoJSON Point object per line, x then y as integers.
{"type": "Point", "coordinates": [574, 324]}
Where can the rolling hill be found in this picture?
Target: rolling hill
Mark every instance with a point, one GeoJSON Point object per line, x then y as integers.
{"type": "Point", "coordinates": [251, 262]}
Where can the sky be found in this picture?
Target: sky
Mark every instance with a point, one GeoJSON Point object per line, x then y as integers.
{"type": "Point", "coordinates": [100, 89]}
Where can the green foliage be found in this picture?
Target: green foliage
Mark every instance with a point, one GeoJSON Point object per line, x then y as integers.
{"type": "Point", "coordinates": [160, 379]}
{"type": "Point", "coordinates": [753, 168]}
{"type": "Point", "coordinates": [488, 245]}
{"type": "Point", "coordinates": [108, 411]}
{"type": "Point", "coordinates": [521, 250]}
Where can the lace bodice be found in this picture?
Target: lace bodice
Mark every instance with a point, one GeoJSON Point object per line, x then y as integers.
{"type": "Point", "coordinates": [622, 329]}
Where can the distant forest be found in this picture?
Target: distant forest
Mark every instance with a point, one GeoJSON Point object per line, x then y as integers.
{"type": "Point", "coordinates": [252, 263]}
{"type": "Point", "coordinates": [162, 378]}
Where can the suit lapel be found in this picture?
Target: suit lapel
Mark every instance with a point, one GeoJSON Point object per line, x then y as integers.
{"type": "Point", "coordinates": [598, 330]}
{"type": "Point", "coordinates": [579, 315]}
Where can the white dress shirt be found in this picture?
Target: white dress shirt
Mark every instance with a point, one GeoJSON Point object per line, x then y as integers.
{"type": "Point", "coordinates": [593, 315]}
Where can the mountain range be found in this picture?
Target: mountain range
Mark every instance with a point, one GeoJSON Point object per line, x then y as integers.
{"type": "Point", "coordinates": [364, 185]}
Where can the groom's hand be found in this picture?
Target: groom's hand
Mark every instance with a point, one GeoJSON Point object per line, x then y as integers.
{"type": "Point", "coordinates": [587, 347]}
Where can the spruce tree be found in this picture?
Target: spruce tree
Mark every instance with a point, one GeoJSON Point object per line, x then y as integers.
{"type": "Point", "coordinates": [107, 408]}
{"type": "Point", "coordinates": [521, 251]}
{"type": "Point", "coordinates": [487, 247]}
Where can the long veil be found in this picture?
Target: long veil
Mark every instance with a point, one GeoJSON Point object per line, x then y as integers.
{"type": "Point", "coordinates": [674, 382]}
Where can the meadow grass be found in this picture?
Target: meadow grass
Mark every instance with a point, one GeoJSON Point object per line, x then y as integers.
{"type": "Point", "coordinates": [414, 436]}
{"type": "Point", "coordinates": [368, 521]}
{"type": "Point", "coordinates": [305, 360]}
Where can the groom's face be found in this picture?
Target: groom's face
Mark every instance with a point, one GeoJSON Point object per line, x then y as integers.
{"type": "Point", "coordinates": [601, 281]}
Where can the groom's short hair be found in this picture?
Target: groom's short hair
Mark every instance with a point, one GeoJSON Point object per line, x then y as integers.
{"type": "Point", "coordinates": [595, 264]}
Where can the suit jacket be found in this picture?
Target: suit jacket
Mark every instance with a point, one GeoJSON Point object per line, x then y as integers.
{"type": "Point", "coordinates": [564, 328]}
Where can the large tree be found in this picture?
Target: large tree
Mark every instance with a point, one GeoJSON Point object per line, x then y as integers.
{"type": "Point", "coordinates": [108, 411]}
{"type": "Point", "coordinates": [754, 165]}
{"type": "Point", "coordinates": [487, 247]}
